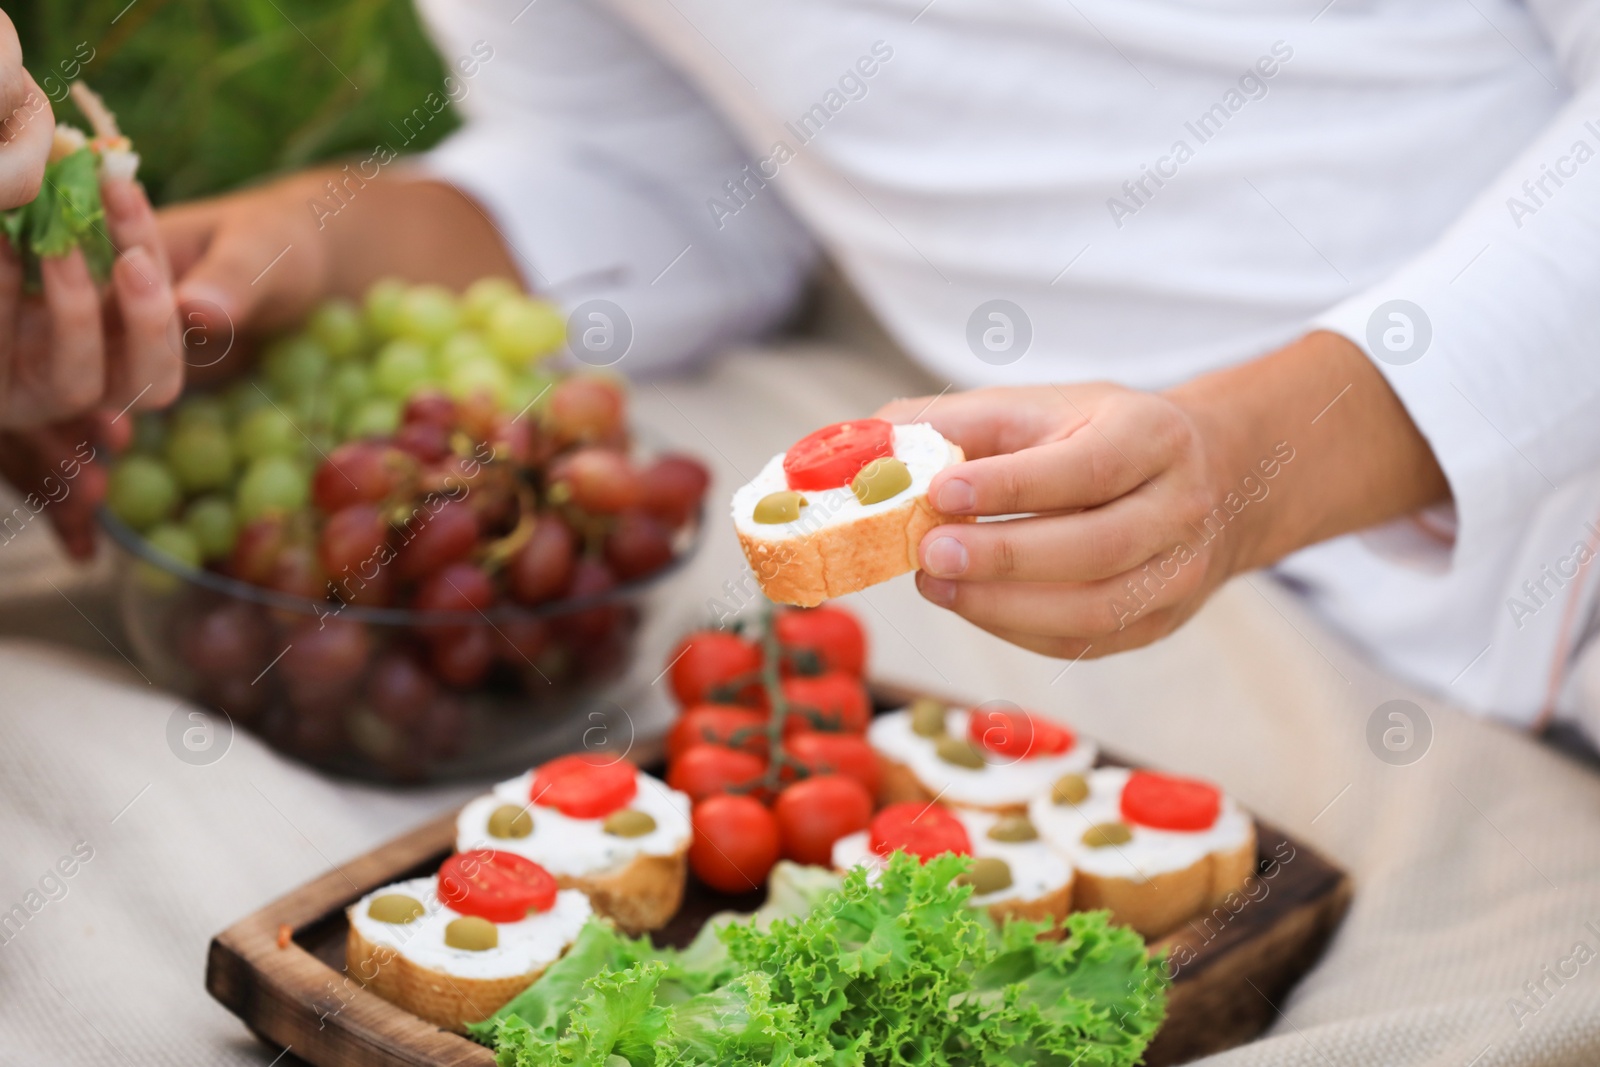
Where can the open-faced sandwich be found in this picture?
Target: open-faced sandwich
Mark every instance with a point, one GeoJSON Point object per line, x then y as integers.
{"type": "Point", "coordinates": [598, 824]}
{"type": "Point", "coordinates": [844, 508]}
{"type": "Point", "coordinates": [1152, 848]}
{"type": "Point", "coordinates": [995, 757]}
{"type": "Point", "coordinates": [454, 948]}
{"type": "Point", "coordinates": [1013, 873]}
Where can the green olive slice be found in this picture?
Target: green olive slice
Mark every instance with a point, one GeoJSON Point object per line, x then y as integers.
{"type": "Point", "coordinates": [472, 933]}
{"type": "Point", "coordinates": [1107, 833]}
{"type": "Point", "coordinates": [1014, 827]}
{"type": "Point", "coordinates": [883, 478]}
{"type": "Point", "coordinates": [629, 822]}
{"type": "Point", "coordinates": [508, 820]}
{"type": "Point", "coordinates": [1070, 789]}
{"type": "Point", "coordinates": [780, 507]}
{"type": "Point", "coordinates": [395, 908]}
{"type": "Point", "coordinates": [928, 717]}
{"type": "Point", "coordinates": [988, 875]}
{"type": "Point", "coordinates": [959, 751]}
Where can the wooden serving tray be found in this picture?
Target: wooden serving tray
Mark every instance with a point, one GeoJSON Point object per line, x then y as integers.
{"type": "Point", "coordinates": [1232, 968]}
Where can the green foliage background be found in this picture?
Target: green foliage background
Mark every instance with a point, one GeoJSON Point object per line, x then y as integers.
{"type": "Point", "coordinates": [217, 93]}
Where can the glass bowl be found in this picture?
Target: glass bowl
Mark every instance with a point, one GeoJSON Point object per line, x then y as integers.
{"type": "Point", "coordinates": [339, 687]}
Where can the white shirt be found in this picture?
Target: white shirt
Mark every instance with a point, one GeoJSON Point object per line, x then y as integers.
{"type": "Point", "coordinates": [1158, 188]}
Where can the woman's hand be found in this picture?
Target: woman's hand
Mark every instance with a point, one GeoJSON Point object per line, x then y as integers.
{"type": "Point", "coordinates": [1131, 508]}
{"type": "Point", "coordinates": [27, 124]}
{"type": "Point", "coordinates": [1111, 488]}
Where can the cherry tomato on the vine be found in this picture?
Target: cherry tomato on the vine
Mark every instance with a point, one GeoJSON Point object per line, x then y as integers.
{"type": "Point", "coordinates": [848, 755]}
{"type": "Point", "coordinates": [821, 639]}
{"type": "Point", "coordinates": [716, 724]}
{"type": "Point", "coordinates": [814, 813]}
{"type": "Point", "coordinates": [707, 667]}
{"type": "Point", "coordinates": [706, 770]}
{"type": "Point", "coordinates": [834, 701]}
{"type": "Point", "coordinates": [735, 843]}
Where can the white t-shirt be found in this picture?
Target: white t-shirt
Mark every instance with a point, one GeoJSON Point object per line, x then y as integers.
{"type": "Point", "coordinates": [1156, 189]}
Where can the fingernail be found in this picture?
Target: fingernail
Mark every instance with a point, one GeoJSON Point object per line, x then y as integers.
{"type": "Point", "coordinates": [121, 199]}
{"type": "Point", "coordinates": [956, 497]}
{"type": "Point", "coordinates": [941, 592]}
{"type": "Point", "coordinates": [142, 268]}
{"type": "Point", "coordinates": [945, 557]}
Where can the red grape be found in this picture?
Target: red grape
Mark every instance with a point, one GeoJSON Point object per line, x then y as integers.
{"type": "Point", "coordinates": [444, 728]}
{"type": "Point", "coordinates": [542, 567]}
{"type": "Point", "coordinates": [639, 544]}
{"type": "Point", "coordinates": [399, 691]}
{"type": "Point", "coordinates": [585, 408]}
{"type": "Point", "coordinates": [255, 550]}
{"type": "Point", "coordinates": [457, 587]}
{"type": "Point", "coordinates": [589, 579]}
{"type": "Point", "coordinates": [430, 407]}
{"type": "Point", "coordinates": [325, 653]}
{"type": "Point", "coordinates": [462, 658]}
{"type": "Point", "coordinates": [523, 641]}
{"type": "Point", "coordinates": [427, 441]}
{"type": "Point", "coordinates": [374, 592]}
{"type": "Point", "coordinates": [358, 472]}
{"type": "Point", "coordinates": [436, 539]}
{"type": "Point", "coordinates": [296, 572]}
{"type": "Point", "coordinates": [228, 642]}
{"type": "Point", "coordinates": [600, 480]}
{"type": "Point", "coordinates": [351, 541]}
{"type": "Point", "coordinates": [673, 486]}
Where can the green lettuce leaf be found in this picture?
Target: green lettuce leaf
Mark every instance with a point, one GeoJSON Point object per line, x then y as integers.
{"type": "Point", "coordinates": [896, 971]}
{"type": "Point", "coordinates": [66, 214]}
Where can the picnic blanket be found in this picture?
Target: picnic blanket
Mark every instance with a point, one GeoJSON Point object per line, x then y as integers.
{"type": "Point", "coordinates": [1473, 939]}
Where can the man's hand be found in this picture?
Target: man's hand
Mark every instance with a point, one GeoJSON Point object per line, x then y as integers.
{"type": "Point", "coordinates": [1124, 510]}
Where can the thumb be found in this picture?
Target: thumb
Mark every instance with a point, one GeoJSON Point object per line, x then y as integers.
{"type": "Point", "coordinates": [239, 269]}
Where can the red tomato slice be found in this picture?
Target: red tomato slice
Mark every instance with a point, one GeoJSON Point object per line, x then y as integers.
{"type": "Point", "coordinates": [821, 639]}
{"type": "Point", "coordinates": [834, 701]}
{"type": "Point", "coordinates": [585, 786]}
{"type": "Point", "coordinates": [502, 887]}
{"type": "Point", "coordinates": [922, 829]}
{"type": "Point", "coordinates": [833, 455]}
{"type": "Point", "coordinates": [1167, 802]}
{"type": "Point", "coordinates": [1017, 734]}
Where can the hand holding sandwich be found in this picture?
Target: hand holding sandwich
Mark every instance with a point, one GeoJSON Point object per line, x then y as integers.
{"type": "Point", "coordinates": [1123, 508]}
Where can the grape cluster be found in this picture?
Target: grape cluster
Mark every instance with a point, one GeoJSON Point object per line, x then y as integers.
{"type": "Point", "coordinates": [421, 453]}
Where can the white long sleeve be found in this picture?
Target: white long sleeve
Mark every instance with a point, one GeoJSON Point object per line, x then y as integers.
{"type": "Point", "coordinates": [593, 158]}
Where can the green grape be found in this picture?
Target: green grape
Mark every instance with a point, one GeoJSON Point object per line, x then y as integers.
{"type": "Point", "coordinates": [295, 365]}
{"type": "Point", "coordinates": [402, 367]}
{"type": "Point", "coordinates": [271, 485]}
{"type": "Point", "coordinates": [336, 326]}
{"type": "Point", "coordinates": [483, 296]}
{"type": "Point", "coordinates": [478, 376]}
{"type": "Point", "coordinates": [243, 398]}
{"type": "Point", "coordinates": [149, 433]}
{"type": "Point", "coordinates": [351, 381]}
{"type": "Point", "coordinates": [200, 455]}
{"type": "Point", "coordinates": [267, 431]}
{"type": "Point", "coordinates": [464, 347]}
{"type": "Point", "coordinates": [520, 331]}
{"type": "Point", "coordinates": [199, 408]}
{"type": "Point", "coordinates": [174, 541]}
{"type": "Point", "coordinates": [428, 313]}
{"type": "Point", "coordinates": [383, 307]}
{"type": "Point", "coordinates": [376, 417]}
{"type": "Point", "coordinates": [529, 392]}
{"type": "Point", "coordinates": [141, 491]}
{"type": "Point", "coordinates": [209, 521]}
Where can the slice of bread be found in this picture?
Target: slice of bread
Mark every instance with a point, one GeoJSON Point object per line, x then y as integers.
{"type": "Point", "coordinates": [1053, 908]}
{"type": "Point", "coordinates": [838, 545]}
{"type": "Point", "coordinates": [1166, 900]}
{"type": "Point", "coordinates": [443, 999]}
{"type": "Point", "coordinates": [642, 896]}
{"type": "Point", "coordinates": [899, 782]}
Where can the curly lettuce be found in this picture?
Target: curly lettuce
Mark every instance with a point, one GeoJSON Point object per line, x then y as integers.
{"type": "Point", "coordinates": [66, 214]}
{"type": "Point", "coordinates": [898, 971]}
